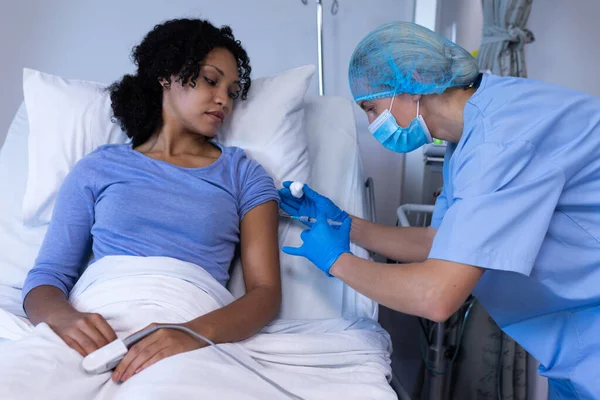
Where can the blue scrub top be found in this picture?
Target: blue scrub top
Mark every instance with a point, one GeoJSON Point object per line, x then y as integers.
{"type": "Point", "coordinates": [521, 199]}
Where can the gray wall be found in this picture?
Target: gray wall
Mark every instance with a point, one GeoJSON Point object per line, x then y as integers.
{"type": "Point", "coordinates": [93, 39]}
{"type": "Point", "coordinates": [565, 50]}
{"type": "Point", "coordinates": [467, 18]}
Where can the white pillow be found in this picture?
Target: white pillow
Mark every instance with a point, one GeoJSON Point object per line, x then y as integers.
{"type": "Point", "coordinates": [269, 124]}
{"type": "Point", "coordinates": [67, 120]}
{"type": "Point", "coordinates": [270, 127]}
{"type": "Point", "coordinates": [19, 244]}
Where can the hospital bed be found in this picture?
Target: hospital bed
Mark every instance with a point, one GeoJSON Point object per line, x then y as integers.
{"type": "Point", "coordinates": [336, 172]}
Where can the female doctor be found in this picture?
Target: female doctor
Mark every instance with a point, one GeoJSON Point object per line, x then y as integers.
{"type": "Point", "coordinates": [518, 220]}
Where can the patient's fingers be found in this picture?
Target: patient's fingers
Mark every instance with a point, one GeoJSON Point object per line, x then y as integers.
{"type": "Point", "coordinates": [153, 348]}
{"type": "Point", "coordinates": [87, 344]}
{"type": "Point", "coordinates": [153, 351]}
{"type": "Point", "coordinates": [135, 357]}
{"type": "Point", "coordinates": [156, 358]}
{"type": "Point", "coordinates": [74, 345]}
{"type": "Point", "coordinates": [105, 329]}
{"type": "Point", "coordinates": [84, 332]}
{"type": "Point", "coordinates": [90, 338]}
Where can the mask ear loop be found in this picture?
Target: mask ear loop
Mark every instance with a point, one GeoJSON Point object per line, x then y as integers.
{"type": "Point", "coordinates": [418, 101]}
{"type": "Point", "coordinates": [392, 104]}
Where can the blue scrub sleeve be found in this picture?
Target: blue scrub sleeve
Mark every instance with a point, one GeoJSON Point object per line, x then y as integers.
{"type": "Point", "coordinates": [67, 244]}
{"type": "Point", "coordinates": [503, 200]}
{"type": "Point", "coordinates": [441, 206]}
{"type": "Point", "coordinates": [441, 203]}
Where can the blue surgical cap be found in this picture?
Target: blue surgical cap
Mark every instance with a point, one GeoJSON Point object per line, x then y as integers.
{"type": "Point", "coordinates": [403, 57]}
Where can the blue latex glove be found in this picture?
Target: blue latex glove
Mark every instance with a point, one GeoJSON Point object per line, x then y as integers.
{"type": "Point", "coordinates": [309, 205]}
{"type": "Point", "coordinates": [323, 243]}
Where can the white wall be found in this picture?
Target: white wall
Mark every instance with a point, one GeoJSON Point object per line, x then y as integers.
{"type": "Point", "coordinates": [93, 39]}
{"type": "Point", "coordinates": [565, 50]}
{"type": "Point", "coordinates": [461, 21]}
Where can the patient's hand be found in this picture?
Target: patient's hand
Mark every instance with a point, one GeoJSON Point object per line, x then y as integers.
{"type": "Point", "coordinates": [83, 332]}
{"type": "Point", "coordinates": [158, 345]}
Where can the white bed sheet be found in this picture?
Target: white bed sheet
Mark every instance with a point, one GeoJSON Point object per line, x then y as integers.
{"type": "Point", "coordinates": [324, 359]}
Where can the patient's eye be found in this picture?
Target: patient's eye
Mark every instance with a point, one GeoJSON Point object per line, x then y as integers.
{"type": "Point", "coordinates": [234, 95]}
{"type": "Point", "coordinates": [210, 81]}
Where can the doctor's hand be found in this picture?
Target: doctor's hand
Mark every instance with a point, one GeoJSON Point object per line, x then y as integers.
{"type": "Point", "coordinates": [83, 332]}
{"type": "Point", "coordinates": [158, 345]}
{"type": "Point", "coordinates": [309, 205]}
{"type": "Point", "coordinates": [323, 243]}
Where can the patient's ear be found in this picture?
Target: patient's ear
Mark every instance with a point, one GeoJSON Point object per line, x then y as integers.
{"type": "Point", "coordinates": [165, 83]}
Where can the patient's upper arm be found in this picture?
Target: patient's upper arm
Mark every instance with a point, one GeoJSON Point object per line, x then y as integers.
{"type": "Point", "coordinates": [260, 248]}
{"type": "Point", "coordinates": [67, 244]}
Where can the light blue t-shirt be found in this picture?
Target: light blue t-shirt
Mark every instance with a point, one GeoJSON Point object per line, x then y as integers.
{"type": "Point", "coordinates": [118, 201]}
{"type": "Point", "coordinates": [521, 199]}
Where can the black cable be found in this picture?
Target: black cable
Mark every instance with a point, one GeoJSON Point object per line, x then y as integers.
{"type": "Point", "coordinates": [431, 329]}
{"type": "Point", "coordinates": [458, 343]}
{"type": "Point", "coordinates": [422, 325]}
{"type": "Point", "coordinates": [500, 364]}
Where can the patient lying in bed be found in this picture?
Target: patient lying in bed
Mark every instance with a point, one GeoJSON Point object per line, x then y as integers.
{"type": "Point", "coordinates": [172, 192]}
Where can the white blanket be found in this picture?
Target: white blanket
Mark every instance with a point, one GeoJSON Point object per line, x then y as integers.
{"type": "Point", "coordinates": [326, 359]}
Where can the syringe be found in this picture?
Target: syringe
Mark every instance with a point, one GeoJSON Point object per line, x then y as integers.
{"type": "Point", "coordinates": [312, 220]}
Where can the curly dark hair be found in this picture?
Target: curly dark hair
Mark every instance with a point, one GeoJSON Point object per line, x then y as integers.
{"type": "Point", "coordinates": [174, 48]}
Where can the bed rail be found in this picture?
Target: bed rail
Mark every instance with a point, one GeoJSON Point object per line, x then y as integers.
{"type": "Point", "coordinates": [370, 196]}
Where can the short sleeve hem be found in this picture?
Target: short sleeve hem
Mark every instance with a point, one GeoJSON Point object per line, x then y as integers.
{"type": "Point", "coordinates": [487, 260]}
{"type": "Point", "coordinates": [261, 199]}
{"type": "Point", "coordinates": [40, 279]}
